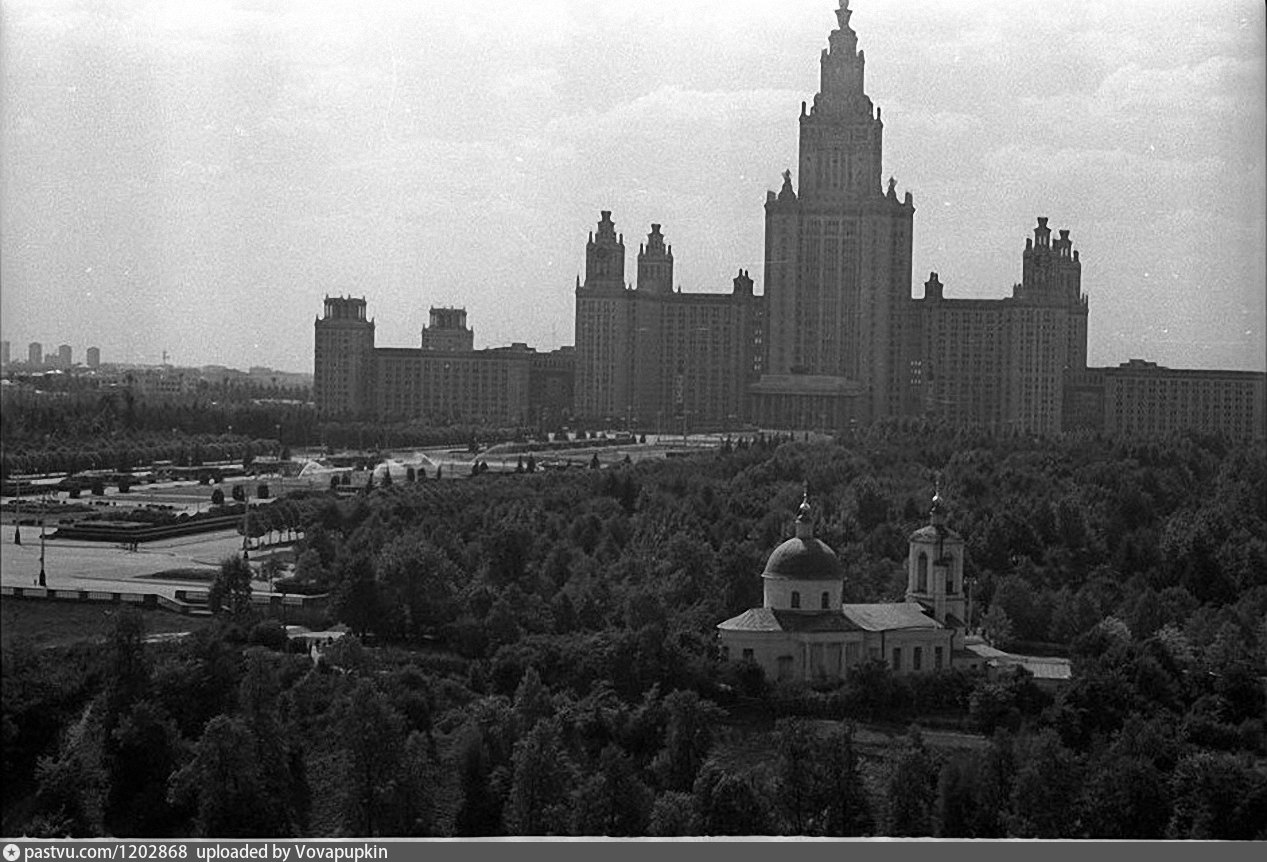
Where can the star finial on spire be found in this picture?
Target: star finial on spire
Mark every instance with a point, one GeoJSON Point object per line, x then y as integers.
{"type": "Point", "coordinates": [843, 13]}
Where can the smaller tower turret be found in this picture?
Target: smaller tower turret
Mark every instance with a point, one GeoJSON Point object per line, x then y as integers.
{"type": "Point", "coordinates": [935, 566]}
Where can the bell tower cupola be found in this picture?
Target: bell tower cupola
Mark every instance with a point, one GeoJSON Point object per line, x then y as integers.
{"type": "Point", "coordinates": [935, 567]}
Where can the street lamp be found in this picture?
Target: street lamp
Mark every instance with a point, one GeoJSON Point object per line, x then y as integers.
{"type": "Point", "coordinates": [43, 581]}
{"type": "Point", "coordinates": [17, 527]}
{"type": "Point", "coordinates": [246, 522]}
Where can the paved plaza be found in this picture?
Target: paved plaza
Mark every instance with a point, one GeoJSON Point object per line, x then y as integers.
{"type": "Point", "coordinates": [81, 565]}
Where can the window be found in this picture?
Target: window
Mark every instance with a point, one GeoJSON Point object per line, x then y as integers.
{"type": "Point", "coordinates": [921, 573]}
{"type": "Point", "coordinates": [917, 658]}
{"type": "Point", "coordinates": [826, 601]}
{"type": "Point", "coordinates": [897, 658]}
{"type": "Point", "coordinates": [796, 599]}
{"type": "Point", "coordinates": [785, 667]}
{"type": "Point", "coordinates": [747, 655]}
{"type": "Point", "coordinates": [937, 658]}
{"type": "Point", "coordinates": [725, 653]}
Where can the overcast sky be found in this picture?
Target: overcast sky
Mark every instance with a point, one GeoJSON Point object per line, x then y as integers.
{"type": "Point", "coordinates": [195, 176]}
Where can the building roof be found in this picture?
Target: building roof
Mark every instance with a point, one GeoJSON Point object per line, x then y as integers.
{"type": "Point", "coordinates": [771, 620]}
{"type": "Point", "coordinates": [901, 616]}
{"type": "Point", "coordinates": [804, 558]}
{"type": "Point", "coordinates": [933, 533]}
{"type": "Point", "coordinates": [1042, 667]}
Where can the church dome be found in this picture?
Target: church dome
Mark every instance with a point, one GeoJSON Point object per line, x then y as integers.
{"type": "Point", "coordinates": [803, 557]}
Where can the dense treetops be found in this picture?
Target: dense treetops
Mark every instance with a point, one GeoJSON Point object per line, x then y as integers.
{"type": "Point", "coordinates": [535, 654]}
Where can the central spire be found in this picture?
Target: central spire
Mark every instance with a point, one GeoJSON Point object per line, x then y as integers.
{"type": "Point", "coordinates": [843, 13]}
{"type": "Point", "coordinates": [843, 66]}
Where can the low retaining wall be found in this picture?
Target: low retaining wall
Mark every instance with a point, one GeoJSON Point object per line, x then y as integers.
{"type": "Point", "coordinates": [290, 608]}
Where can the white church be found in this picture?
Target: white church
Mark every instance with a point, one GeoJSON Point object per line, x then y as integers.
{"type": "Point", "coordinates": [804, 631]}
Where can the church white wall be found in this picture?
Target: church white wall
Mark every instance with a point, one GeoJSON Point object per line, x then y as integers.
{"type": "Point", "coordinates": [779, 594]}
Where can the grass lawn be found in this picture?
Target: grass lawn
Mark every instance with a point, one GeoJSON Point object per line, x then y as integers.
{"type": "Point", "coordinates": [44, 622]}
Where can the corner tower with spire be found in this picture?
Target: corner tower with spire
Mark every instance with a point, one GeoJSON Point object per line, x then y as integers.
{"type": "Point", "coordinates": [840, 331]}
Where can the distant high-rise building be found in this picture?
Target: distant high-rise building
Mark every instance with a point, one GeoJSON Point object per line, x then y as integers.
{"type": "Point", "coordinates": [445, 381]}
{"type": "Point", "coordinates": [35, 353]}
{"type": "Point", "coordinates": [4, 353]}
{"type": "Point", "coordinates": [1004, 362]}
{"type": "Point", "coordinates": [839, 330]}
{"type": "Point", "coordinates": [343, 370]}
{"type": "Point", "coordinates": [64, 356]}
{"type": "Point", "coordinates": [448, 331]}
{"type": "Point", "coordinates": [1144, 399]}
{"type": "Point", "coordinates": [651, 355]}
{"type": "Point", "coordinates": [94, 357]}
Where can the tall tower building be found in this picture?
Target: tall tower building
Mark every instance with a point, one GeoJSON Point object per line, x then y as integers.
{"type": "Point", "coordinates": [94, 357]}
{"type": "Point", "coordinates": [838, 263]}
{"type": "Point", "coordinates": [343, 367]}
{"type": "Point", "coordinates": [65, 356]}
{"type": "Point", "coordinates": [604, 355]}
{"type": "Point", "coordinates": [35, 353]}
{"type": "Point", "coordinates": [448, 331]}
{"type": "Point", "coordinates": [1004, 363]}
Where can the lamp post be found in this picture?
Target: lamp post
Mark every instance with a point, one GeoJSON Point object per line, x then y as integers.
{"type": "Point", "coordinates": [43, 581]}
{"type": "Point", "coordinates": [246, 522]}
{"type": "Point", "coordinates": [17, 527]}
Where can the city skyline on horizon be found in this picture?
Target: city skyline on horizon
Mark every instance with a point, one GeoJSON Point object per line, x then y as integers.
{"type": "Point", "coordinates": [307, 174]}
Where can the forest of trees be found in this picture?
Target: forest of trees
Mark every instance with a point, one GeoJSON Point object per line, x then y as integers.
{"type": "Point", "coordinates": [113, 429]}
{"type": "Point", "coordinates": [535, 654]}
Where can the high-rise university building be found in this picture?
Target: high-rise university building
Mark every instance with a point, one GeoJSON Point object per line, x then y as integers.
{"type": "Point", "coordinates": [343, 367]}
{"type": "Point", "coordinates": [1004, 362]}
{"type": "Point", "coordinates": [653, 356]}
{"type": "Point", "coordinates": [93, 357]}
{"type": "Point", "coordinates": [448, 331]}
{"type": "Point", "coordinates": [1139, 398]}
{"type": "Point", "coordinates": [443, 381]}
{"type": "Point", "coordinates": [35, 353]}
{"type": "Point", "coordinates": [839, 331]}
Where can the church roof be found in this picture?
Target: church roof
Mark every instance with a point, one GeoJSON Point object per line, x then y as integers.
{"type": "Point", "coordinates": [933, 532]}
{"type": "Point", "coordinates": [772, 620]}
{"type": "Point", "coordinates": [803, 558]}
{"type": "Point", "coordinates": [902, 616]}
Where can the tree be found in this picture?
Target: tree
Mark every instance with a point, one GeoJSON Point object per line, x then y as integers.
{"type": "Point", "coordinates": [230, 590]}
{"type": "Point", "coordinates": [729, 804]}
{"type": "Point", "coordinates": [797, 776]}
{"type": "Point", "coordinates": [479, 813]}
{"type": "Point", "coordinates": [239, 493]}
{"type": "Point", "coordinates": [143, 752]}
{"type": "Point", "coordinates": [1217, 798]}
{"type": "Point", "coordinates": [613, 801]}
{"type": "Point", "coordinates": [217, 497]}
{"type": "Point", "coordinates": [688, 738]}
{"type": "Point", "coordinates": [848, 812]}
{"type": "Point", "coordinates": [1046, 787]}
{"type": "Point", "coordinates": [370, 734]}
{"type": "Point", "coordinates": [673, 814]}
{"type": "Point", "coordinates": [224, 783]}
{"type": "Point", "coordinates": [543, 774]}
{"type": "Point", "coordinates": [912, 789]}
{"type": "Point", "coordinates": [997, 626]}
